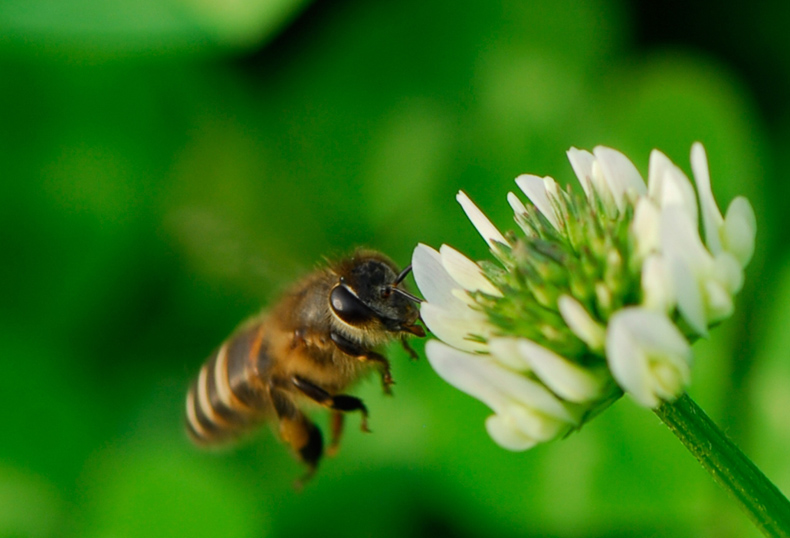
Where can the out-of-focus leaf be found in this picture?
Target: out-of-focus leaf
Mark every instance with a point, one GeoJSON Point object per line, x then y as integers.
{"type": "Point", "coordinates": [52, 421]}
{"type": "Point", "coordinates": [92, 30]}
{"type": "Point", "coordinates": [151, 206]}
{"type": "Point", "coordinates": [157, 487]}
{"type": "Point", "coordinates": [29, 506]}
{"type": "Point", "coordinates": [770, 384]}
{"type": "Point", "coordinates": [672, 99]}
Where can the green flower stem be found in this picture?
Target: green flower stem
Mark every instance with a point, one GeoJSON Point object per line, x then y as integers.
{"type": "Point", "coordinates": [762, 501]}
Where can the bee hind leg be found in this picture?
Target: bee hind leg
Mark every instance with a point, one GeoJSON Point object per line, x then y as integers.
{"type": "Point", "coordinates": [299, 432]}
{"type": "Point", "coordinates": [339, 402]}
{"type": "Point", "coordinates": [350, 348]}
{"type": "Point", "coordinates": [337, 420]}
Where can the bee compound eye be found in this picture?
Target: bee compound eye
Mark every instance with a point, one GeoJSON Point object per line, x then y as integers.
{"type": "Point", "coordinates": [349, 307]}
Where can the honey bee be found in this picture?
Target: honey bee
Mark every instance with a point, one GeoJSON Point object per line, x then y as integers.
{"type": "Point", "coordinates": [310, 347]}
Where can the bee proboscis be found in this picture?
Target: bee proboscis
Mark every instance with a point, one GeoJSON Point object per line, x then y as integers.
{"type": "Point", "coordinates": [309, 347]}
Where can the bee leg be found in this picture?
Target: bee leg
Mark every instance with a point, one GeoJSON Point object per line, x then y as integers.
{"type": "Point", "coordinates": [339, 402]}
{"type": "Point", "coordinates": [384, 369]}
{"type": "Point", "coordinates": [412, 354]}
{"type": "Point", "coordinates": [350, 348]}
{"type": "Point", "coordinates": [299, 432]}
{"type": "Point", "coordinates": [337, 419]}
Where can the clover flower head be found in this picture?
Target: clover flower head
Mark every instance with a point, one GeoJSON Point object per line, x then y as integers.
{"type": "Point", "coordinates": [592, 296]}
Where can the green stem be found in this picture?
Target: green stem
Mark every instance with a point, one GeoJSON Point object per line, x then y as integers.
{"type": "Point", "coordinates": [730, 468]}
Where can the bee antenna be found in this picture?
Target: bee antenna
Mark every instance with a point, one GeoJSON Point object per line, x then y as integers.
{"type": "Point", "coordinates": [408, 295]}
{"type": "Point", "coordinates": [403, 274]}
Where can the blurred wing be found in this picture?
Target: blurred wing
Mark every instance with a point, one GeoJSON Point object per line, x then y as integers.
{"type": "Point", "coordinates": [218, 247]}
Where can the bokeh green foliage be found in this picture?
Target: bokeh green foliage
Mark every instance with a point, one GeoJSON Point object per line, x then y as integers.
{"type": "Point", "coordinates": [167, 167]}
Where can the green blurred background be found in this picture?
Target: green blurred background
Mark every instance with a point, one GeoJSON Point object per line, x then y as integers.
{"type": "Point", "coordinates": [167, 166]}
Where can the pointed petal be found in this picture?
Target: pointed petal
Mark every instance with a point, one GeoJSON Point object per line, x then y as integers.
{"type": "Point", "coordinates": [463, 296]}
{"type": "Point", "coordinates": [728, 271]}
{"type": "Point", "coordinates": [655, 332]}
{"type": "Point", "coordinates": [582, 163]}
{"type": "Point", "coordinates": [711, 216]}
{"type": "Point", "coordinates": [433, 280]}
{"type": "Point", "coordinates": [481, 223]}
{"type": "Point", "coordinates": [668, 381]}
{"type": "Point", "coordinates": [456, 326]}
{"type": "Point", "coordinates": [468, 373]}
{"type": "Point", "coordinates": [668, 185]}
{"type": "Point", "coordinates": [466, 272]}
{"type": "Point", "coordinates": [497, 387]}
{"type": "Point", "coordinates": [505, 351]}
{"type": "Point", "coordinates": [536, 425]}
{"type": "Point", "coordinates": [581, 323]}
{"type": "Point", "coordinates": [646, 227]}
{"type": "Point", "coordinates": [688, 263]}
{"type": "Point", "coordinates": [740, 229]}
{"type": "Point", "coordinates": [535, 189]}
{"type": "Point", "coordinates": [690, 300]}
{"type": "Point", "coordinates": [568, 380]}
{"type": "Point", "coordinates": [719, 301]}
{"type": "Point", "coordinates": [628, 363]}
{"type": "Point", "coordinates": [505, 433]}
{"type": "Point", "coordinates": [679, 237]}
{"type": "Point", "coordinates": [643, 348]}
{"type": "Point", "coordinates": [516, 204]}
{"type": "Point", "coordinates": [620, 173]}
{"type": "Point", "coordinates": [657, 291]}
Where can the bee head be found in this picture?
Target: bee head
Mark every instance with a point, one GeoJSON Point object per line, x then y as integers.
{"type": "Point", "coordinates": [368, 295]}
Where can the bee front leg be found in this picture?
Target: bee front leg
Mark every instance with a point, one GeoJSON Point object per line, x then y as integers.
{"type": "Point", "coordinates": [412, 354]}
{"type": "Point", "coordinates": [299, 432]}
{"type": "Point", "coordinates": [339, 402]}
{"type": "Point", "coordinates": [347, 346]}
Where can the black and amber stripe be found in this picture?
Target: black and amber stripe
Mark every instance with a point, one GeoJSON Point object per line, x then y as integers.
{"type": "Point", "coordinates": [229, 395]}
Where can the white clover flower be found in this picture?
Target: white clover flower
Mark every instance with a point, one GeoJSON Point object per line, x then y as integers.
{"type": "Point", "coordinates": [593, 296]}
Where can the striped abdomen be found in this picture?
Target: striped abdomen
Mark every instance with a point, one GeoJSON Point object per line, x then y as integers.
{"type": "Point", "coordinates": [229, 395]}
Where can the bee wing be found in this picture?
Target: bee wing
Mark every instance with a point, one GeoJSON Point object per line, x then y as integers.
{"type": "Point", "coordinates": [219, 248]}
